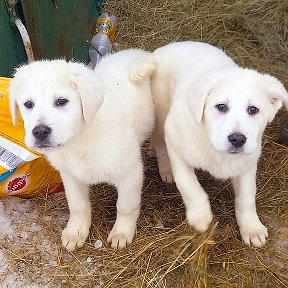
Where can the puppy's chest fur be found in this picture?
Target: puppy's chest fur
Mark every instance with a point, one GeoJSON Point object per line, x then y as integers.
{"type": "Point", "coordinates": [191, 142]}
{"type": "Point", "coordinates": [199, 153]}
{"type": "Point", "coordinates": [218, 165]}
{"type": "Point", "coordinates": [102, 163]}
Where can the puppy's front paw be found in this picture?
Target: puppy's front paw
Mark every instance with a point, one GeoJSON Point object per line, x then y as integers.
{"type": "Point", "coordinates": [199, 215]}
{"type": "Point", "coordinates": [72, 238]}
{"type": "Point", "coordinates": [254, 232]}
{"type": "Point", "coordinates": [120, 237]}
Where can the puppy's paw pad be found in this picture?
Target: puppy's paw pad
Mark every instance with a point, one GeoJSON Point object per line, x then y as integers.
{"type": "Point", "coordinates": [200, 217]}
{"type": "Point", "coordinates": [120, 240]}
{"type": "Point", "coordinates": [254, 234]}
{"type": "Point", "coordinates": [73, 238]}
{"type": "Point", "coordinates": [167, 176]}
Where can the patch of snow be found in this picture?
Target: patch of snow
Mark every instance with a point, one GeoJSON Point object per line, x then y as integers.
{"type": "Point", "coordinates": [6, 228]}
{"type": "Point", "coordinates": [98, 244]}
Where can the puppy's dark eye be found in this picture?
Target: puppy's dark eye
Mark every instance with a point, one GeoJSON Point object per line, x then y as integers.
{"type": "Point", "coordinates": [29, 104]}
{"type": "Point", "coordinates": [252, 110]}
{"type": "Point", "coordinates": [61, 102]}
{"type": "Point", "coordinates": [222, 108]}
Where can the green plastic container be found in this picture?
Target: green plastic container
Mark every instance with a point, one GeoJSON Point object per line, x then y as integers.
{"type": "Point", "coordinates": [12, 52]}
{"type": "Point", "coordinates": [57, 29]}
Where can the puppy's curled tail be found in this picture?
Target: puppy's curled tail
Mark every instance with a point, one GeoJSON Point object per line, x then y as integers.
{"type": "Point", "coordinates": [142, 67]}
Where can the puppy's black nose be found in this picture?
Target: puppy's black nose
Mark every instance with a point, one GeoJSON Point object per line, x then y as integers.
{"type": "Point", "coordinates": [237, 140]}
{"type": "Point", "coordinates": [41, 132]}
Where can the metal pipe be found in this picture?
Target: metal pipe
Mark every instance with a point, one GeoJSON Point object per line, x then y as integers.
{"type": "Point", "coordinates": [16, 21]}
{"type": "Point", "coordinates": [25, 38]}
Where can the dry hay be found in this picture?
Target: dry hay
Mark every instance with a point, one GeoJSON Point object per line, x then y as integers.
{"type": "Point", "coordinates": [166, 252]}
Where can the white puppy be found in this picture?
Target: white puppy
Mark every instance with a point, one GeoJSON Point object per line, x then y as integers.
{"type": "Point", "coordinates": [90, 125]}
{"type": "Point", "coordinates": [214, 114]}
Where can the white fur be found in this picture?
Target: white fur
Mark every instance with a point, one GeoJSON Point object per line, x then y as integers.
{"type": "Point", "coordinates": [96, 137]}
{"type": "Point", "coordinates": [190, 80]}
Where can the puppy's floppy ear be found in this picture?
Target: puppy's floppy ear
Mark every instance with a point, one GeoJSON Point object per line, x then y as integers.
{"type": "Point", "coordinates": [198, 91]}
{"type": "Point", "coordinates": [196, 95]}
{"type": "Point", "coordinates": [14, 111]}
{"type": "Point", "coordinates": [90, 89]}
{"type": "Point", "coordinates": [276, 94]}
{"type": "Point", "coordinates": [13, 91]}
{"type": "Point", "coordinates": [16, 88]}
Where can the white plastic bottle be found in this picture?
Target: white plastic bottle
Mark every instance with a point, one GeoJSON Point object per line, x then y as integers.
{"type": "Point", "coordinates": [104, 35]}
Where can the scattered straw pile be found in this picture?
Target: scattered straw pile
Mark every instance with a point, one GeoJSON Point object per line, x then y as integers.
{"type": "Point", "coordinates": [166, 252]}
{"type": "Point", "coordinates": [254, 33]}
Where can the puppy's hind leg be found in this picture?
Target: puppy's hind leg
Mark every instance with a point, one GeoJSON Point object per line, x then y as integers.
{"type": "Point", "coordinates": [158, 143]}
{"type": "Point", "coordinates": [128, 205]}
{"type": "Point", "coordinates": [162, 104]}
{"type": "Point", "coordinates": [77, 229]}
{"type": "Point", "coordinates": [151, 150]}
{"type": "Point", "coordinates": [251, 229]}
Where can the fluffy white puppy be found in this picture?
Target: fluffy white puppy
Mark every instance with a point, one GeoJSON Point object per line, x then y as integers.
{"type": "Point", "coordinates": [213, 113]}
{"type": "Point", "coordinates": [90, 125]}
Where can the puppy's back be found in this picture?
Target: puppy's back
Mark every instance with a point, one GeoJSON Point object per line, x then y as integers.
{"type": "Point", "coordinates": [181, 59]}
{"type": "Point", "coordinates": [136, 63]}
{"type": "Point", "coordinates": [126, 78]}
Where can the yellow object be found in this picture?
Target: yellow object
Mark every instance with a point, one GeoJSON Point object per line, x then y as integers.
{"type": "Point", "coordinates": [23, 172]}
{"type": "Point", "coordinates": [106, 26]}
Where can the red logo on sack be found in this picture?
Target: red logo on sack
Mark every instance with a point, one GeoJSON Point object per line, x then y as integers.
{"type": "Point", "coordinates": [59, 188]}
{"type": "Point", "coordinates": [18, 183]}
